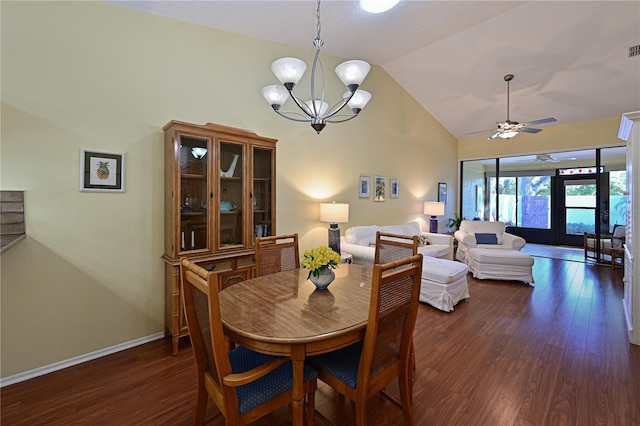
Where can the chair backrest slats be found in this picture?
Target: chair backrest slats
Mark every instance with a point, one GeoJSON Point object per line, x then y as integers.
{"type": "Point", "coordinates": [392, 314]}
{"type": "Point", "coordinates": [276, 254]}
{"type": "Point", "coordinates": [392, 247]}
{"type": "Point", "coordinates": [202, 309]}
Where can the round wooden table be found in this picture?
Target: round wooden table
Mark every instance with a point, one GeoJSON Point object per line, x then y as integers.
{"type": "Point", "coordinates": [282, 314]}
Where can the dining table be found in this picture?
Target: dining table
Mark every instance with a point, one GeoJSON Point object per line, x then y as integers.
{"type": "Point", "coordinates": [283, 314]}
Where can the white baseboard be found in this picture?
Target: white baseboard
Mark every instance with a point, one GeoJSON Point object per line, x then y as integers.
{"type": "Point", "coordinates": [41, 371]}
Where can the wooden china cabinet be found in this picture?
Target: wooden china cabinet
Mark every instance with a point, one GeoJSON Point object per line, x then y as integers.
{"type": "Point", "coordinates": [219, 196]}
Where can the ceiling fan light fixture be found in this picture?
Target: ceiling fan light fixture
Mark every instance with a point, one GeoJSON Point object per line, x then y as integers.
{"type": "Point", "coordinates": [507, 135]}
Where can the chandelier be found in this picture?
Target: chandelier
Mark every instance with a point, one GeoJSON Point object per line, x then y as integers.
{"type": "Point", "coordinates": [316, 111]}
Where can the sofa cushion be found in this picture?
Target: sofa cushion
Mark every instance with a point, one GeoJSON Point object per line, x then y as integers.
{"type": "Point", "coordinates": [486, 238]}
{"type": "Point", "coordinates": [412, 229]}
{"type": "Point", "coordinates": [362, 235]}
{"type": "Point", "coordinates": [392, 229]}
{"type": "Point", "coordinates": [483, 226]}
{"type": "Point", "coordinates": [435, 250]}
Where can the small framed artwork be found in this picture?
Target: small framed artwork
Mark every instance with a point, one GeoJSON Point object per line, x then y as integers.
{"type": "Point", "coordinates": [395, 188]}
{"type": "Point", "coordinates": [363, 187]}
{"type": "Point", "coordinates": [381, 188]}
{"type": "Point", "coordinates": [101, 171]}
{"type": "Point", "coordinates": [442, 192]}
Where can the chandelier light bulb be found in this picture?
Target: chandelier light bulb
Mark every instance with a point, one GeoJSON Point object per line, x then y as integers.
{"type": "Point", "coordinates": [289, 70]}
{"type": "Point", "coordinates": [377, 6]}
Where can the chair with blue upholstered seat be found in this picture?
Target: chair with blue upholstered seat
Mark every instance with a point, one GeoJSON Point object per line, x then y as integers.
{"type": "Point", "coordinates": [361, 370]}
{"type": "Point", "coordinates": [245, 385]}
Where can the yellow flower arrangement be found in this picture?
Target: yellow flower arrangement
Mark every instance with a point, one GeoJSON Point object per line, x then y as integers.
{"type": "Point", "coordinates": [319, 258]}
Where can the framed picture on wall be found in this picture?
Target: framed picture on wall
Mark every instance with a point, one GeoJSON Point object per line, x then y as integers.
{"type": "Point", "coordinates": [395, 188]}
{"type": "Point", "coordinates": [363, 187]}
{"type": "Point", "coordinates": [380, 183]}
{"type": "Point", "coordinates": [442, 192]}
{"type": "Point", "coordinates": [101, 171]}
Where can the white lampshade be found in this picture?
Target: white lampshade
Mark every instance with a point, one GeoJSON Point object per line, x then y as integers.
{"type": "Point", "coordinates": [321, 107]}
{"type": "Point", "coordinates": [275, 95]}
{"type": "Point", "coordinates": [507, 135]}
{"type": "Point", "coordinates": [359, 100]}
{"type": "Point", "coordinates": [352, 72]}
{"type": "Point", "coordinates": [288, 70]}
{"type": "Point", "coordinates": [433, 208]}
{"type": "Point", "coordinates": [334, 212]}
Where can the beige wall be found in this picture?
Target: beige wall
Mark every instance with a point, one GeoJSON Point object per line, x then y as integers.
{"type": "Point", "coordinates": [98, 76]}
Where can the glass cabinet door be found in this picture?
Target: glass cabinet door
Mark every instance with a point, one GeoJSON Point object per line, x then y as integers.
{"type": "Point", "coordinates": [262, 192]}
{"type": "Point", "coordinates": [231, 195]}
{"type": "Point", "coordinates": [194, 193]}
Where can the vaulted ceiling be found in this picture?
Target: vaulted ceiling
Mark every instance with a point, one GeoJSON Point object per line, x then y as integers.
{"type": "Point", "coordinates": [570, 58]}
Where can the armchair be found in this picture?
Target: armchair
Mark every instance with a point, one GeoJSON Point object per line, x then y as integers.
{"type": "Point", "coordinates": [610, 244]}
{"type": "Point", "coordinates": [486, 235]}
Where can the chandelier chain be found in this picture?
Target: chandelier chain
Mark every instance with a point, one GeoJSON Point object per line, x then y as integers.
{"type": "Point", "coordinates": [318, 18]}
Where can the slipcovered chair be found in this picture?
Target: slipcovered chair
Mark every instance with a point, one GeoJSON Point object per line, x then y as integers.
{"type": "Point", "coordinates": [485, 235]}
{"type": "Point", "coordinates": [245, 385]}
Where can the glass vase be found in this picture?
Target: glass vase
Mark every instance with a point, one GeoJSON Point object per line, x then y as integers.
{"type": "Point", "coordinates": [324, 278]}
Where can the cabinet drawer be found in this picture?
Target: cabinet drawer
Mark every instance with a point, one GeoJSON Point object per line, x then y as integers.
{"type": "Point", "coordinates": [218, 265]}
{"type": "Point", "coordinates": [246, 261]}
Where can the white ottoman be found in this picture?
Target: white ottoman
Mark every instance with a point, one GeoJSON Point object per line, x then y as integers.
{"type": "Point", "coordinates": [498, 264]}
{"type": "Point", "coordinates": [444, 282]}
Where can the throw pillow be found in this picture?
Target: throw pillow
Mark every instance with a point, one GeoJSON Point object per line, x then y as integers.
{"type": "Point", "coordinates": [423, 240]}
{"type": "Point", "coordinates": [486, 238]}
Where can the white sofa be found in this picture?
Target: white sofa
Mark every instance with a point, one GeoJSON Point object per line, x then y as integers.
{"type": "Point", "coordinates": [466, 237]}
{"type": "Point", "coordinates": [359, 241]}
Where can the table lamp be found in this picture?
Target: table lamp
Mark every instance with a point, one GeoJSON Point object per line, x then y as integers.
{"type": "Point", "coordinates": [334, 213]}
{"type": "Point", "coordinates": [433, 208]}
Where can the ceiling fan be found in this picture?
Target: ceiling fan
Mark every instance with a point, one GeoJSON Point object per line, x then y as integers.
{"type": "Point", "coordinates": [547, 158]}
{"type": "Point", "coordinates": [508, 129]}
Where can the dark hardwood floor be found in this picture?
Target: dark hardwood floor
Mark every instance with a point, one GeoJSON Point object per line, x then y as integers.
{"type": "Point", "coordinates": [552, 353]}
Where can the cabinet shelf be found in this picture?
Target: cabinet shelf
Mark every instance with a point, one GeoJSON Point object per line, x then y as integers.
{"type": "Point", "coordinates": [187, 214]}
{"type": "Point", "coordinates": [192, 176]}
{"type": "Point", "coordinates": [231, 212]}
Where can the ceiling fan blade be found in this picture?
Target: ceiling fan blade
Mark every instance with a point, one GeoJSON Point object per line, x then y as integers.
{"type": "Point", "coordinates": [479, 131]}
{"type": "Point", "coordinates": [541, 121]}
{"type": "Point", "coordinates": [493, 136]}
{"type": "Point", "coordinates": [529, 130]}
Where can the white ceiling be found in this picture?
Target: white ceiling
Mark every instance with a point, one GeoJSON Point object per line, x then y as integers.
{"type": "Point", "coordinates": [570, 58]}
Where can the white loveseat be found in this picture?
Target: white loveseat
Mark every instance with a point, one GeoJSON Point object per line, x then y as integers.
{"type": "Point", "coordinates": [472, 230]}
{"type": "Point", "coordinates": [359, 241]}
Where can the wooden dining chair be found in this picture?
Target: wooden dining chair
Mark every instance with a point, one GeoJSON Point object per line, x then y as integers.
{"type": "Point", "coordinates": [361, 370]}
{"type": "Point", "coordinates": [391, 247]}
{"type": "Point", "coordinates": [276, 254]}
{"type": "Point", "coordinates": [245, 385]}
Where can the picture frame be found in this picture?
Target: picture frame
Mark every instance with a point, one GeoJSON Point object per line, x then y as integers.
{"type": "Point", "coordinates": [394, 188]}
{"type": "Point", "coordinates": [101, 171]}
{"type": "Point", "coordinates": [364, 184]}
{"type": "Point", "coordinates": [442, 192]}
{"type": "Point", "coordinates": [380, 187]}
